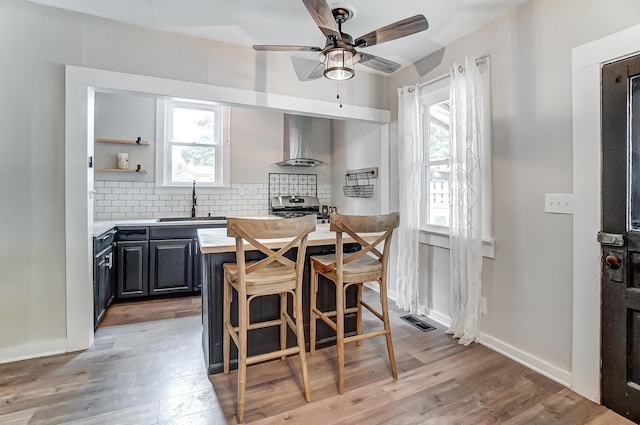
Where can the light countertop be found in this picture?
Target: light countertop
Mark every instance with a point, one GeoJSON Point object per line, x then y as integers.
{"type": "Point", "coordinates": [101, 226]}
{"type": "Point", "coordinates": [215, 241]}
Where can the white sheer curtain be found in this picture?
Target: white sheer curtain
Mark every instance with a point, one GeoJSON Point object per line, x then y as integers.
{"type": "Point", "coordinates": [409, 162]}
{"type": "Point", "coordinates": [469, 126]}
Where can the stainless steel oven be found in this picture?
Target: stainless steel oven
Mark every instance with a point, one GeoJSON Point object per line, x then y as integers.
{"type": "Point", "coordinates": [296, 206]}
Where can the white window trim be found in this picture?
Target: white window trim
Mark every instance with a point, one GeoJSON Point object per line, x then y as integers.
{"type": "Point", "coordinates": [162, 165]}
{"type": "Point", "coordinates": [436, 95]}
{"type": "Point", "coordinates": [438, 236]}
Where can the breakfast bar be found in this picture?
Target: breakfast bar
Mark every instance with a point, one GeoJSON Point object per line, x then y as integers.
{"type": "Point", "coordinates": [218, 249]}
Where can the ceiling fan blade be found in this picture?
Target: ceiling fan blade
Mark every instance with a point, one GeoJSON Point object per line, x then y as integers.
{"type": "Point", "coordinates": [284, 48]}
{"type": "Point", "coordinates": [317, 72]}
{"type": "Point", "coordinates": [378, 63]}
{"type": "Point", "coordinates": [399, 29]}
{"type": "Point", "coordinates": [322, 16]}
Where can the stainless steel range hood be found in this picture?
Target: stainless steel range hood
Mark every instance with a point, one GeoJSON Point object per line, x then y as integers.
{"type": "Point", "coordinates": [297, 142]}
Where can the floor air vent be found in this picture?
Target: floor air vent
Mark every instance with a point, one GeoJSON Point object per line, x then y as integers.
{"type": "Point", "coordinates": [420, 324]}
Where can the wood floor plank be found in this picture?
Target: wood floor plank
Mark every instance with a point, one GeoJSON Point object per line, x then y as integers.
{"type": "Point", "coordinates": [146, 367]}
{"type": "Point", "coordinates": [17, 418]}
{"type": "Point", "coordinates": [608, 417]}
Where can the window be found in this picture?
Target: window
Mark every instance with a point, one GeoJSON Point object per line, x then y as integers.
{"type": "Point", "coordinates": [434, 109]}
{"type": "Point", "coordinates": [193, 143]}
{"type": "Point", "coordinates": [434, 116]}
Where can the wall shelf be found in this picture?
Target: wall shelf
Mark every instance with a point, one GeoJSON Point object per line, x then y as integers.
{"type": "Point", "coordinates": [138, 141]}
{"type": "Point", "coordinates": [356, 189]}
{"type": "Point", "coordinates": [118, 170]}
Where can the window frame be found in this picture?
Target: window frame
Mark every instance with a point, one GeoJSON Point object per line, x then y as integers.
{"type": "Point", "coordinates": [435, 235]}
{"type": "Point", "coordinates": [221, 143]}
{"type": "Point", "coordinates": [427, 99]}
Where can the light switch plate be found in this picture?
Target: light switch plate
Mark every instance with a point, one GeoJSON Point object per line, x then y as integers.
{"type": "Point", "coordinates": [558, 203]}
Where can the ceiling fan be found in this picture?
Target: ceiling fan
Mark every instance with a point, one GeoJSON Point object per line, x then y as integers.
{"type": "Point", "coordinates": [339, 54]}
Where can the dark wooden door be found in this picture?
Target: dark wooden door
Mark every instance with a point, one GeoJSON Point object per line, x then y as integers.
{"type": "Point", "coordinates": [620, 237]}
{"type": "Point", "coordinates": [171, 266]}
{"type": "Point", "coordinates": [133, 264]}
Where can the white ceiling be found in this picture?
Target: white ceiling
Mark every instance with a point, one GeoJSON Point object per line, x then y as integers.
{"type": "Point", "coordinates": [248, 22]}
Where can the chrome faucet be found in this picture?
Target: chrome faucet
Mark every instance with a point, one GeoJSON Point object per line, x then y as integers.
{"type": "Point", "coordinates": [194, 200]}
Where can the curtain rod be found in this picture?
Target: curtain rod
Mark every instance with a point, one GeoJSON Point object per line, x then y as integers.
{"type": "Point", "coordinates": [479, 61]}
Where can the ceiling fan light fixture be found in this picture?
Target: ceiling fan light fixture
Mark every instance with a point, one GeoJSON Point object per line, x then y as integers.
{"type": "Point", "coordinates": [339, 64]}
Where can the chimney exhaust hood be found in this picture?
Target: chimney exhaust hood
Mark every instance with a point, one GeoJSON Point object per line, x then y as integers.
{"type": "Point", "coordinates": [297, 142]}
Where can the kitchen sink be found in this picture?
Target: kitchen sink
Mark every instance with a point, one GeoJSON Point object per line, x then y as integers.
{"type": "Point", "coordinates": [214, 218]}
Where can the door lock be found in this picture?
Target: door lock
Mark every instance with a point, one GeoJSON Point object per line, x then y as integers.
{"type": "Point", "coordinates": [612, 239]}
{"type": "Point", "coordinates": [612, 261]}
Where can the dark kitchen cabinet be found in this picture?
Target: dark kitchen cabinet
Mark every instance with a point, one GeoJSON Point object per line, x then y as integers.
{"type": "Point", "coordinates": [156, 260]}
{"type": "Point", "coordinates": [266, 308]}
{"type": "Point", "coordinates": [133, 264]}
{"type": "Point", "coordinates": [171, 266]}
{"type": "Point", "coordinates": [103, 291]}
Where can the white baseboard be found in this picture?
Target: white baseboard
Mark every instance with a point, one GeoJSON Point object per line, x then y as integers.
{"type": "Point", "coordinates": [32, 351]}
{"type": "Point", "coordinates": [438, 317]}
{"type": "Point", "coordinates": [561, 376]}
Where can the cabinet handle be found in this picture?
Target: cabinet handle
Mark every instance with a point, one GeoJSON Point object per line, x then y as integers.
{"type": "Point", "coordinates": [109, 259]}
{"type": "Point", "coordinates": [189, 249]}
{"type": "Point", "coordinates": [105, 237]}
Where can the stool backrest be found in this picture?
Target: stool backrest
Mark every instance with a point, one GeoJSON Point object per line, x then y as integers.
{"type": "Point", "coordinates": [260, 233]}
{"type": "Point", "coordinates": [357, 225]}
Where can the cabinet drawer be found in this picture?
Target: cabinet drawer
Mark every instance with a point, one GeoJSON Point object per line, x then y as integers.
{"type": "Point", "coordinates": [103, 241]}
{"type": "Point", "coordinates": [130, 233]}
{"type": "Point", "coordinates": [172, 232]}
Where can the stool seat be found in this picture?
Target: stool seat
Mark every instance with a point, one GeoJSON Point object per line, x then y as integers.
{"type": "Point", "coordinates": [362, 269]}
{"type": "Point", "coordinates": [274, 277]}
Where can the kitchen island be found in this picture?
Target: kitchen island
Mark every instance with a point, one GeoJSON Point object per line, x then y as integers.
{"type": "Point", "coordinates": [218, 249]}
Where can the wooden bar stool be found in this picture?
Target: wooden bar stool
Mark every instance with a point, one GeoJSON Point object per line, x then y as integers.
{"type": "Point", "coordinates": [365, 265]}
{"type": "Point", "coordinates": [272, 275]}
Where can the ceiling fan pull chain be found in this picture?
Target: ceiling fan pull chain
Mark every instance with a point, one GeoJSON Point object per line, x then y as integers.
{"type": "Point", "coordinates": [338, 95]}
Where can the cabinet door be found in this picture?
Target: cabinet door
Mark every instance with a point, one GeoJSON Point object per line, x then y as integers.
{"type": "Point", "coordinates": [133, 264]}
{"type": "Point", "coordinates": [101, 284]}
{"type": "Point", "coordinates": [171, 266]}
{"type": "Point", "coordinates": [110, 280]}
{"type": "Point", "coordinates": [197, 267]}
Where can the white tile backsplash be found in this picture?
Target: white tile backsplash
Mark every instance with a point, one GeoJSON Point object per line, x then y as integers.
{"type": "Point", "coordinates": [127, 200]}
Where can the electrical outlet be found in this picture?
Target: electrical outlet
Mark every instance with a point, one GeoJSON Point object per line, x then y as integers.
{"type": "Point", "coordinates": [558, 203]}
{"type": "Point", "coordinates": [483, 305]}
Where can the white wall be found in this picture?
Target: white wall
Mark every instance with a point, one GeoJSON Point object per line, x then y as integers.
{"type": "Point", "coordinates": [125, 116]}
{"type": "Point", "coordinates": [355, 145]}
{"type": "Point", "coordinates": [529, 284]}
{"type": "Point", "coordinates": [36, 43]}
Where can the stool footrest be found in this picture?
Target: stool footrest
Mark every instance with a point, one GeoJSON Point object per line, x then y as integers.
{"type": "Point", "coordinates": [355, 338]}
{"type": "Point", "coordinates": [325, 318]}
{"type": "Point", "coordinates": [372, 310]}
{"type": "Point", "coordinates": [273, 355]}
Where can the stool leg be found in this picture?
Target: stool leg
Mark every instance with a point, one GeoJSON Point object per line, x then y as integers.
{"type": "Point", "coordinates": [226, 317]}
{"type": "Point", "coordinates": [300, 337]}
{"type": "Point", "coordinates": [283, 324]}
{"type": "Point", "coordinates": [340, 334]}
{"type": "Point", "coordinates": [243, 318]}
{"type": "Point", "coordinates": [313, 318]}
{"type": "Point", "coordinates": [359, 314]}
{"type": "Point", "coordinates": [387, 326]}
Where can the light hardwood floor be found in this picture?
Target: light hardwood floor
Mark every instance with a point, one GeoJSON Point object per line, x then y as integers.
{"type": "Point", "coordinates": [152, 372]}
